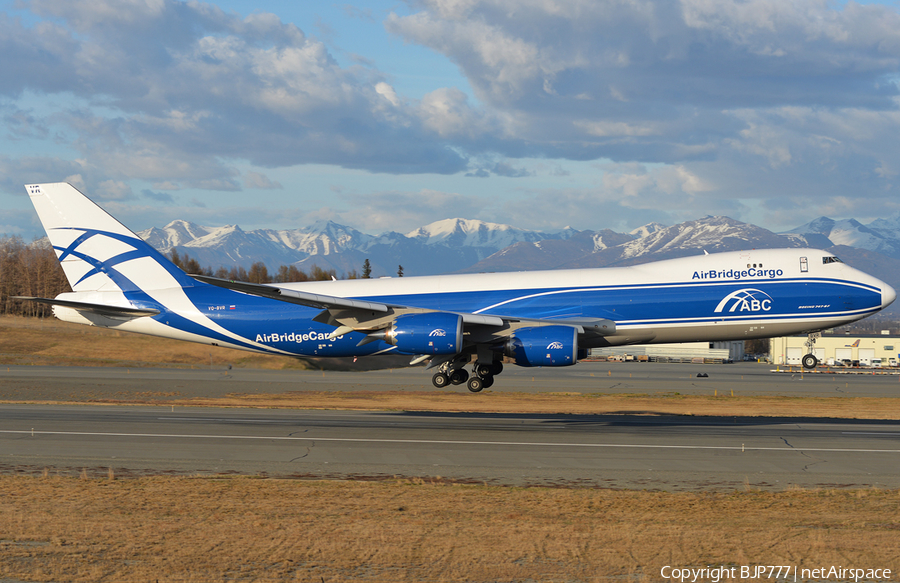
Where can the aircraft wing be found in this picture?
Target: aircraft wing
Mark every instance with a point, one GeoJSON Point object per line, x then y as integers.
{"type": "Point", "coordinates": [363, 316]}
{"type": "Point", "coordinates": [292, 296]}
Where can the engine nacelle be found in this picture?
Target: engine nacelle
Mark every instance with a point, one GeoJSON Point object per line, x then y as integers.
{"type": "Point", "coordinates": [429, 333]}
{"type": "Point", "coordinates": [544, 346]}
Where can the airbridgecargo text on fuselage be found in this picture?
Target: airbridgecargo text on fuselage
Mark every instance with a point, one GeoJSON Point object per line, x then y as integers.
{"type": "Point", "coordinates": [751, 273]}
{"type": "Point", "coordinates": [293, 337]}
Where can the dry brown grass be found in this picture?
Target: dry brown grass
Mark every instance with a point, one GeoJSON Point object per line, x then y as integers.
{"type": "Point", "coordinates": [51, 342]}
{"type": "Point", "coordinates": [576, 404]}
{"type": "Point", "coordinates": [245, 529]}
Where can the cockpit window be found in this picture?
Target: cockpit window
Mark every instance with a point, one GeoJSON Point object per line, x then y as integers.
{"type": "Point", "coordinates": [832, 259]}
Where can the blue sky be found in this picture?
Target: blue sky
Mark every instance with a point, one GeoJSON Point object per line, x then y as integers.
{"type": "Point", "coordinates": [389, 115]}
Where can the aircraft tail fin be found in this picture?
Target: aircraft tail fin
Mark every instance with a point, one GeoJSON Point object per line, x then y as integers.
{"type": "Point", "coordinates": [97, 252]}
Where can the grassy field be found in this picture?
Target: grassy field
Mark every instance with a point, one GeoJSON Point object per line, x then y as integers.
{"type": "Point", "coordinates": [246, 529]}
{"type": "Point", "coordinates": [51, 342]}
{"type": "Point", "coordinates": [571, 404]}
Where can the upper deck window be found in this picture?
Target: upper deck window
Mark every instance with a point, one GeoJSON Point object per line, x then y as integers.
{"type": "Point", "coordinates": [831, 259]}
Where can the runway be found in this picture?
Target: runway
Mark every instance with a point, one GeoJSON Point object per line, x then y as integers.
{"type": "Point", "coordinates": [86, 384]}
{"type": "Point", "coordinates": [665, 453]}
{"type": "Point", "coordinates": [619, 451]}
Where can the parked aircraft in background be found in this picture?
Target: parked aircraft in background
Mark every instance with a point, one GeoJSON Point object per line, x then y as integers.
{"type": "Point", "coordinates": [542, 318]}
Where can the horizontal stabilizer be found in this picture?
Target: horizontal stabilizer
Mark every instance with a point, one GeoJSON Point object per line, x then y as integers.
{"type": "Point", "coordinates": [100, 309]}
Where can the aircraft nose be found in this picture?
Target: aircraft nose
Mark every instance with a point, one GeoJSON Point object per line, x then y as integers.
{"type": "Point", "coordinates": [888, 295]}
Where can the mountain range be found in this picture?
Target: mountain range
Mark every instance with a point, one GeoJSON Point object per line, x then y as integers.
{"type": "Point", "coordinates": [471, 246]}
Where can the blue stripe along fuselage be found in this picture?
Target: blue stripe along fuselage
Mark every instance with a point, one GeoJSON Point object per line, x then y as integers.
{"type": "Point", "coordinates": [288, 328]}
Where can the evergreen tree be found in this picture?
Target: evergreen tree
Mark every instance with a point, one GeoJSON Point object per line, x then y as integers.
{"type": "Point", "coordinates": [367, 269]}
{"type": "Point", "coordinates": [399, 271]}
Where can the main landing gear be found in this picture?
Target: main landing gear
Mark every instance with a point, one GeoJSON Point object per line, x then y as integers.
{"type": "Point", "coordinates": [482, 378]}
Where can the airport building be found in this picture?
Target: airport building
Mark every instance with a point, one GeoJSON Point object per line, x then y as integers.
{"type": "Point", "coordinates": [859, 350]}
{"type": "Point", "coordinates": [675, 352]}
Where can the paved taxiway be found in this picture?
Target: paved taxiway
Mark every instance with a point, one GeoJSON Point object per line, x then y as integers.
{"type": "Point", "coordinates": [671, 453]}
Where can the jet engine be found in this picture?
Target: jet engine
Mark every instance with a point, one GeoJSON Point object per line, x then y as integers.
{"type": "Point", "coordinates": [544, 346]}
{"type": "Point", "coordinates": [428, 333]}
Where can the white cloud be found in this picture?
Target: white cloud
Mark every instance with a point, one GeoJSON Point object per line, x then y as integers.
{"type": "Point", "coordinates": [635, 69]}
{"type": "Point", "coordinates": [261, 181]}
{"type": "Point", "coordinates": [713, 103]}
{"type": "Point", "coordinates": [185, 87]}
{"type": "Point", "coordinates": [447, 112]}
{"type": "Point", "coordinates": [113, 190]}
{"type": "Point", "coordinates": [604, 129]}
{"type": "Point", "coordinates": [387, 92]}
{"type": "Point", "coordinates": [636, 186]}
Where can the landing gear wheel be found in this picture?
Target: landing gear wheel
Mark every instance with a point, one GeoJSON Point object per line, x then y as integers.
{"type": "Point", "coordinates": [440, 380]}
{"type": "Point", "coordinates": [810, 361]}
{"type": "Point", "coordinates": [459, 376]}
{"type": "Point", "coordinates": [475, 384]}
{"type": "Point", "coordinates": [496, 367]}
{"type": "Point", "coordinates": [487, 381]}
{"type": "Point", "coordinates": [484, 370]}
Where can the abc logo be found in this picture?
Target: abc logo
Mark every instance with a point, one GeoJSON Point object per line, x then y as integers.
{"type": "Point", "coordinates": [745, 300]}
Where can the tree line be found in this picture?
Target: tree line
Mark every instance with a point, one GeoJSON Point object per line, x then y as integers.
{"type": "Point", "coordinates": [29, 270]}
{"type": "Point", "coordinates": [33, 270]}
{"type": "Point", "coordinates": [258, 272]}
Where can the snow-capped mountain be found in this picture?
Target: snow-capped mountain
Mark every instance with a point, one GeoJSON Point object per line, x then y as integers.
{"type": "Point", "coordinates": [888, 227]}
{"type": "Point", "coordinates": [647, 229]}
{"type": "Point", "coordinates": [882, 235]}
{"type": "Point", "coordinates": [440, 247]}
{"type": "Point", "coordinates": [176, 233]}
{"type": "Point", "coordinates": [710, 234]}
{"type": "Point", "coordinates": [219, 246]}
{"type": "Point", "coordinates": [473, 233]}
{"type": "Point", "coordinates": [321, 238]}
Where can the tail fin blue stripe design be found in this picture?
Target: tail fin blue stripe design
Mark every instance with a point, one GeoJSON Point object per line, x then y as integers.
{"type": "Point", "coordinates": [142, 249]}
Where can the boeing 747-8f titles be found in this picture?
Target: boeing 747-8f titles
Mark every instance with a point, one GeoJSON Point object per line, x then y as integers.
{"type": "Point", "coordinates": [540, 318]}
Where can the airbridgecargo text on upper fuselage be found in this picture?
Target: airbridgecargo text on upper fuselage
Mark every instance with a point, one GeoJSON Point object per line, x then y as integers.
{"type": "Point", "coordinates": [751, 273]}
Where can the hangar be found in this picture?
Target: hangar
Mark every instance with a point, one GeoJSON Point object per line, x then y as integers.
{"type": "Point", "coordinates": [677, 352]}
{"type": "Point", "coordinates": [879, 350]}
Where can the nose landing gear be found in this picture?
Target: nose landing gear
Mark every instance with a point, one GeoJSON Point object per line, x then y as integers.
{"type": "Point", "coordinates": [809, 361]}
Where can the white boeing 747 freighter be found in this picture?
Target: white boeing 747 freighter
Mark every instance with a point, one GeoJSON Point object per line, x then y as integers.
{"type": "Point", "coordinates": [538, 318]}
